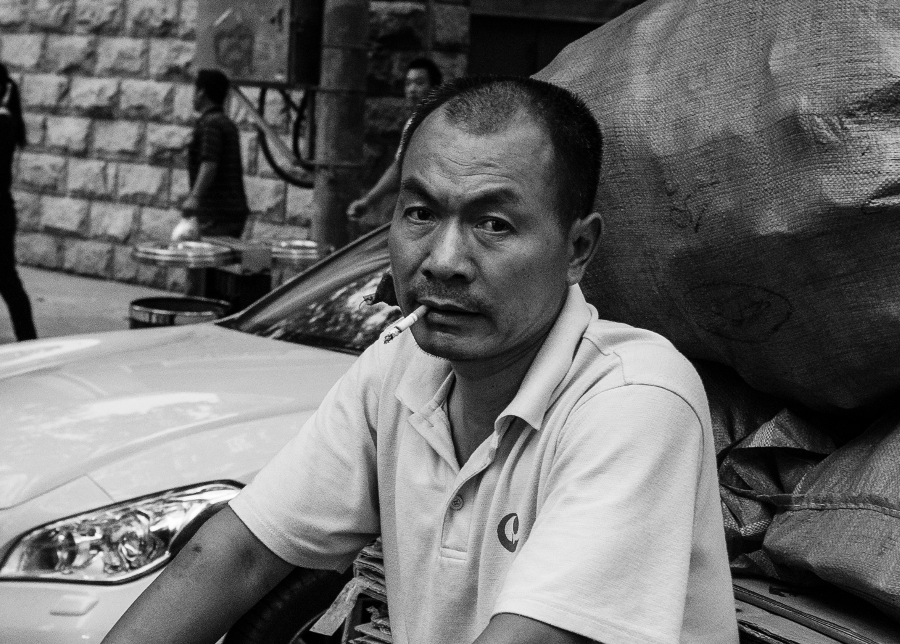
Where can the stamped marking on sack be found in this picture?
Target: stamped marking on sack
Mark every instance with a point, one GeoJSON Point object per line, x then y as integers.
{"type": "Point", "coordinates": [740, 312]}
{"type": "Point", "coordinates": [687, 208]}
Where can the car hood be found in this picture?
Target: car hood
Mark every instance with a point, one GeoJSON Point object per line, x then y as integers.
{"type": "Point", "coordinates": [76, 405]}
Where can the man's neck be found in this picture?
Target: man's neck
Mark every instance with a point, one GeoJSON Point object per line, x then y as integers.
{"type": "Point", "coordinates": [481, 392]}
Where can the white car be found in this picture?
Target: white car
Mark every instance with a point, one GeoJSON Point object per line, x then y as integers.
{"type": "Point", "coordinates": [115, 447]}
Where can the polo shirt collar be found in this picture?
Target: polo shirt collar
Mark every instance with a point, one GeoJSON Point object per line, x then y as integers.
{"type": "Point", "coordinates": [421, 383]}
{"type": "Point", "coordinates": [425, 383]}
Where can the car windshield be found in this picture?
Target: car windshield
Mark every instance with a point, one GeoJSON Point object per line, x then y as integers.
{"type": "Point", "coordinates": [325, 307]}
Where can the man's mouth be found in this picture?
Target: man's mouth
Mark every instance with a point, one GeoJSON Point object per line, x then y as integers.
{"type": "Point", "coordinates": [440, 308]}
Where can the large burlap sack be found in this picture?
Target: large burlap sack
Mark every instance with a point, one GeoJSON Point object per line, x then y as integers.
{"type": "Point", "coordinates": [751, 186]}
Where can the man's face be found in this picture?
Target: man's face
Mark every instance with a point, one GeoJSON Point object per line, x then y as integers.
{"type": "Point", "coordinates": [416, 86]}
{"type": "Point", "coordinates": [476, 237]}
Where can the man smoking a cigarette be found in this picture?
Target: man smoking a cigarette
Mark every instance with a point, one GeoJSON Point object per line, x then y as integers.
{"type": "Point", "coordinates": [537, 475]}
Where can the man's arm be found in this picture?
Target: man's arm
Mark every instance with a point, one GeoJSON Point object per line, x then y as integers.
{"type": "Point", "coordinates": [389, 182]}
{"type": "Point", "coordinates": [205, 177]}
{"type": "Point", "coordinates": [507, 628]}
{"type": "Point", "coordinates": [218, 575]}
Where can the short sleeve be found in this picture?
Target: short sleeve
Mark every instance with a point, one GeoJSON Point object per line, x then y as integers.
{"type": "Point", "coordinates": [315, 504]}
{"type": "Point", "coordinates": [212, 142]}
{"type": "Point", "coordinates": [609, 554]}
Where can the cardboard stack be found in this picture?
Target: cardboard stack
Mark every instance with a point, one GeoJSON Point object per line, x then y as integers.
{"type": "Point", "coordinates": [361, 606]}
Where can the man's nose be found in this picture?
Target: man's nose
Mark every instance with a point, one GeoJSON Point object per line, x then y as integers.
{"type": "Point", "coordinates": [448, 258]}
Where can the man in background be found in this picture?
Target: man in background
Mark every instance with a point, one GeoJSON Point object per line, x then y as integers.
{"type": "Point", "coordinates": [217, 203]}
{"type": "Point", "coordinates": [12, 136]}
{"type": "Point", "coordinates": [422, 76]}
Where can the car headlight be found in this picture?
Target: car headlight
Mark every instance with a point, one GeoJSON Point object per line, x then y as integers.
{"type": "Point", "coordinates": [116, 543]}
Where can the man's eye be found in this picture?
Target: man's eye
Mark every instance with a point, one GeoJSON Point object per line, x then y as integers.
{"type": "Point", "coordinates": [418, 214]}
{"type": "Point", "coordinates": [495, 226]}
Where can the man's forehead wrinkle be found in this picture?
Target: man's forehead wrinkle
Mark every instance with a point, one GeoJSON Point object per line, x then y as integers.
{"type": "Point", "coordinates": [497, 153]}
{"type": "Point", "coordinates": [456, 160]}
{"type": "Point", "coordinates": [500, 189]}
{"type": "Point", "coordinates": [477, 166]}
{"type": "Point", "coordinates": [495, 172]}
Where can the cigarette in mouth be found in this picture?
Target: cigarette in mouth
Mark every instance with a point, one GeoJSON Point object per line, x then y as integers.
{"type": "Point", "coordinates": [405, 323]}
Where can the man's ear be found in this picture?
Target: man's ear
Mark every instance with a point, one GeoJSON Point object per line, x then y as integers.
{"type": "Point", "coordinates": [584, 237]}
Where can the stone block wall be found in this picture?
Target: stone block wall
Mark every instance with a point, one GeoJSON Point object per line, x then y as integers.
{"type": "Point", "coordinates": [106, 89]}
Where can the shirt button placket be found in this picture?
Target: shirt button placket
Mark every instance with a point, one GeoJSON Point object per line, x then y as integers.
{"type": "Point", "coordinates": [456, 503]}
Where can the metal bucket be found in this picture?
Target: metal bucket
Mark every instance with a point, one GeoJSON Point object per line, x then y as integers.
{"type": "Point", "coordinates": [291, 257]}
{"type": "Point", "coordinates": [295, 253]}
{"type": "Point", "coordinates": [148, 312]}
{"type": "Point", "coordinates": [186, 254]}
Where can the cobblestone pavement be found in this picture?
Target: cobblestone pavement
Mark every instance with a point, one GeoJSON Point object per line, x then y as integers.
{"type": "Point", "coordinates": [67, 304]}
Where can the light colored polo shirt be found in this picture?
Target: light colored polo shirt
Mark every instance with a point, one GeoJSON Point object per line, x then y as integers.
{"type": "Point", "coordinates": [592, 507]}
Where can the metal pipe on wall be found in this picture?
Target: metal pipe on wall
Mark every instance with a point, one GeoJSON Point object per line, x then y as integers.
{"type": "Point", "coordinates": [429, 32]}
{"type": "Point", "coordinates": [340, 118]}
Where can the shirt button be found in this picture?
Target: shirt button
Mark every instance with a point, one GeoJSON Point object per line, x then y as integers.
{"type": "Point", "coordinates": [456, 503]}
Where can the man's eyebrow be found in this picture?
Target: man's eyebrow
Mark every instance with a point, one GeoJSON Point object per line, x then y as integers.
{"type": "Point", "coordinates": [414, 186]}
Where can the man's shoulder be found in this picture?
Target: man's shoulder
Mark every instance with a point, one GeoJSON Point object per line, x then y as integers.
{"type": "Point", "coordinates": [632, 344]}
{"type": "Point", "coordinates": [613, 355]}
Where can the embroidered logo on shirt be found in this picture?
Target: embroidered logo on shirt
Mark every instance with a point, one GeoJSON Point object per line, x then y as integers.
{"type": "Point", "coordinates": [508, 531]}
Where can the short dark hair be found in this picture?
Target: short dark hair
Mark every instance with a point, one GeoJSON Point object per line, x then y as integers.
{"type": "Point", "coordinates": [434, 72]}
{"type": "Point", "coordinates": [214, 84]}
{"type": "Point", "coordinates": [488, 104]}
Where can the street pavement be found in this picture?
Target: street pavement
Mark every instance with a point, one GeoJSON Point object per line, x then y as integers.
{"type": "Point", "coordinates": [67, 304]}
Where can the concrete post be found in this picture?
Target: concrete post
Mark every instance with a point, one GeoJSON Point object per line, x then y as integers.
{"type": "Point", "coordinates": [340, 118]}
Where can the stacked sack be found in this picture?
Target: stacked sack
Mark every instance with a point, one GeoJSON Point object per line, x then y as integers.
{"type": "Point", "coordinates": [751, 200]}
{"type": "Point", "coordinates": [802, 501]}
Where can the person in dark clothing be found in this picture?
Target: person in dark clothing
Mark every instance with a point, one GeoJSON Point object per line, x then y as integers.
{"type": "Point", "coordinates": [217, 199]}
{"type": "Point", "coordinates": [12, 135]}
{"type": "Point", "coordinates": [422, 76]}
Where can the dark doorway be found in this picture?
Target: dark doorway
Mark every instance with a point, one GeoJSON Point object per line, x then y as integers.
{"type": "Point", "coordinates": [518, 46]}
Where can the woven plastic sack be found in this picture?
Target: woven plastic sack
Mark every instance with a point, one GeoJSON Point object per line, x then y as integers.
{"type": "Point", "coordinates": [763, 450]}
{"type": "Point", "coordinates": [842, 521]}
{"type": "Point", "coordinates": [751, 186]}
